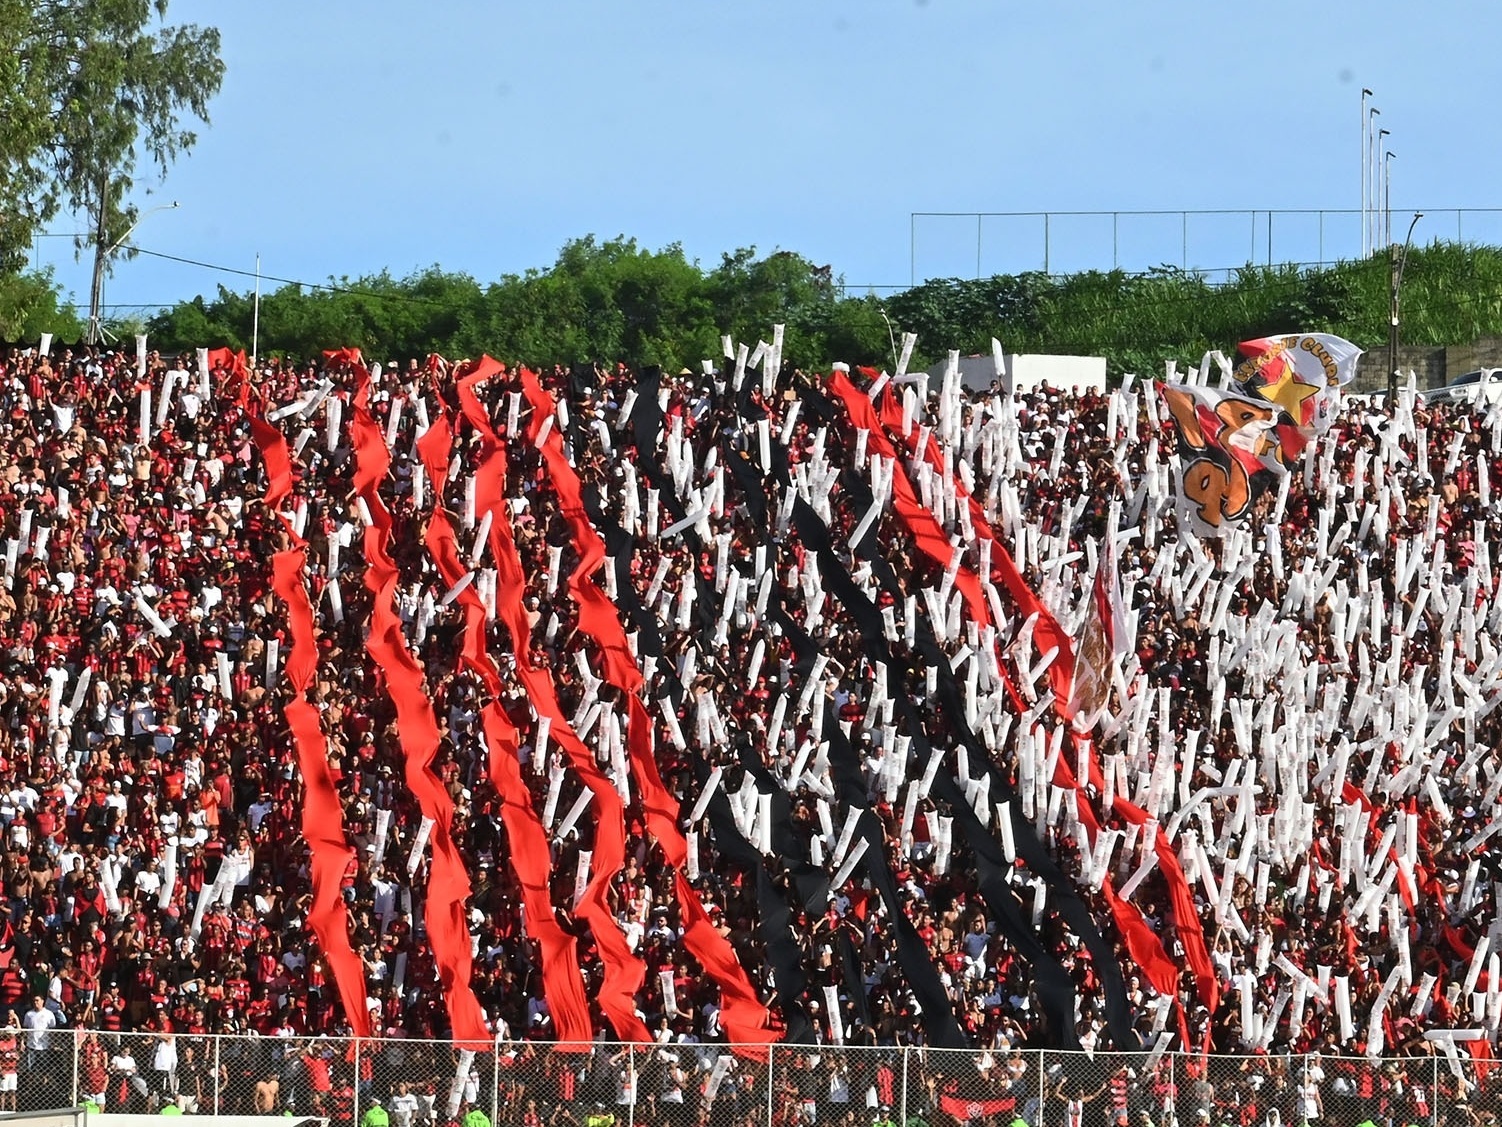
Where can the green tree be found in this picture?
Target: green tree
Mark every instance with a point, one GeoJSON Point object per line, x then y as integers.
{"type": "Point", "coordinates": [89, 90]}
{"type": "Point", "coordinates": [30, 305]}
{"type": "Point", "coordinates": [25, 131]}
{"type": "Point", "coordinates": [611, 300]}
{"type": "Point", "coordinates": [751, 294]}
{"type": "Point", "coordinates": [615, 300]}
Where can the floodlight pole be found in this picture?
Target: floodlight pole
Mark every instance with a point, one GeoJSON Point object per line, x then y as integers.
{"type": "Point", "coordinates": [102, 255]}
{"type": "Point", "coordinates": [1366, 234]}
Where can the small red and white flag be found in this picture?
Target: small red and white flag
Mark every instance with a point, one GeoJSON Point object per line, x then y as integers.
{"type": "Point", "coordinates": [1102, 642]}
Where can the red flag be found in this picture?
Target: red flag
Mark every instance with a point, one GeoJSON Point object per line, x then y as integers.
{"type": "Point", "coordinates": [322, 812]}
{"type": "Point", "coordinates": [744, 1017]}
{"type": "Point", "coordinates": [1481, 1055]}
{"type": "Point", "coordinates": [624, 972]}
{"type": "Point", "coordinates": [448, 883]}
{"type": "Point", "coordinates": [563, 986]}
{"type": "Point", "coordinates": [239, 372]}
{"type": "Point", "coordinates": [962, 1109]}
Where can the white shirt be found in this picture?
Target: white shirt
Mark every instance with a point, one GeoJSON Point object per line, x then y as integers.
{"type": "Point", "coordinates": [112, 869]}
{"type": "Point", "coordinates": [37, 1023]}
{"type": "Point", "coordinates": [403, 1108]}
{"type": "Point", "coordinates": [258, 812]}
{"type": "Point", "coordinates": [385, 898]}
{"type": "Point", "coordinates": [243, 861]}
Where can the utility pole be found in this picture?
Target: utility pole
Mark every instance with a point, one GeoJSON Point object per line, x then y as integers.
{"type": "Point", "coordinates": [255, 322]}
{"type": "Point", "coordinates": [103, 254]}
{"type": "Point", "coordinates": [96, 286]}
{"type": "Point", "coordinates": [1399, 260]}
{"type": "Point", "coordinates": [1395, 269]}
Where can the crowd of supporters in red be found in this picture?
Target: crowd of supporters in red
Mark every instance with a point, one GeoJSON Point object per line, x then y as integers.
{"type": "Point", "coordinates": [142, 768]}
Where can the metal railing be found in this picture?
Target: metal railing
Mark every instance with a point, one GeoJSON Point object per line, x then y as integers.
{"type": "Point", "coordinates": [421, 1083]}
{"type": "Point", "coordinates": [1214, 241]}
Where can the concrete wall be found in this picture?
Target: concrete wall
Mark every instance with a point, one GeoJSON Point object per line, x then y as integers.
{"type": "Point", "coordinates": [1435, 367]}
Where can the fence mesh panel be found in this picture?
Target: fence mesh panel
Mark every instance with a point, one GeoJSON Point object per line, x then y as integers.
{"type": "Point", "coordinates": [603, 1084]}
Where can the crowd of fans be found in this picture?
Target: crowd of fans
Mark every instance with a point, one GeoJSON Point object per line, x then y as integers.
{"type": "Point", "coordinates": [1344, 629]}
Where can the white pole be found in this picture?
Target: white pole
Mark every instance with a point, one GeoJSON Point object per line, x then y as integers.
{"type": "Point", "coordinates": [255, 317]}
{"type": "Point", "coordinates": [1365, 233]}
{"type": "Point", "coordinates": [1371, 162]}
{"type": "Point", "coordinates": [902, 1101]}
{"type": "Point", "coordinates": [495, 1077]}
{"type": "Point", "coordinates": [771, 1081]}
{"type": "Point", "coordinates": [1384, 228]}
{"type": "Point", "coordinates": [1387, 193]}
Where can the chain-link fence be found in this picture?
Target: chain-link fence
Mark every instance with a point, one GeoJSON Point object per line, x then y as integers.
{"type": "Point", "coordinates": [601, 1084]}
{"type": "Point", "coordinates": [1215, 242]}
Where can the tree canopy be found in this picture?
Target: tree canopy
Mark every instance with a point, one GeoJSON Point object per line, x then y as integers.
{"type": "Point", "coordinates": [89, 91]}
{"type": "Point", "coordinates": [614, 300]}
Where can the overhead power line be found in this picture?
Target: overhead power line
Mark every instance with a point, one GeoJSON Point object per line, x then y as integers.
{"type": "Point", "coordinates": [331, 287]}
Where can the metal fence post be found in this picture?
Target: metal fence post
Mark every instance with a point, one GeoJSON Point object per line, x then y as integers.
{"type": "Point", "coordinates": [632, 1079]}
{"type": "Point", "coordinates": [1303, 1088]}
{"type": "Point", "coordinates": [771, 1074]}
{"type": "Point", "coordinates": [1434, 1091]}
{"type": "Point", "coordinates": [902, 1097]}
{"type": "Point", "coordinates": [495, 1080]}
{"type": "Point", "coordinates": [77, 1048]}
{"type": "Point", "coordinates": [1042, 1087]}
{"type": "Point", "coordinates": [217, 1084]}
{"type": "Point", "coordinates": [1174, 1092]}
{"type": "Point", "coordinates": [354, 1111]}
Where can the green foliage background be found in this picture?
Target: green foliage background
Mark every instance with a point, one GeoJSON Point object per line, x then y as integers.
{"type": "Point", "coordinates": [615, 300]}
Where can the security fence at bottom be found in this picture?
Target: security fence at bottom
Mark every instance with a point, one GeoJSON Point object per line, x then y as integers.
{"type": "Point", "coordinates": [411, 1083]}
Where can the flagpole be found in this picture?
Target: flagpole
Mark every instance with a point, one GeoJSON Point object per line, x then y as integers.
{"type": "Point", "coordinates": [1387, 193]}
{"type": "Point", "coordinates": [1365, 232]}
{"type": "Point", "coordinates": [255, 317]}
{"type": "Point", "coordinates": [1384, 228]}
{"type": "Point", "coordinates": [1371, 174]}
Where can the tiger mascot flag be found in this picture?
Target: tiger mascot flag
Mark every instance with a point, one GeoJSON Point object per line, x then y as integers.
{"type": "Point", "coordinates": [1234, 441]}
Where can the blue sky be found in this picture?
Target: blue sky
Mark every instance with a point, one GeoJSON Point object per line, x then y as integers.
{"type": "Point", "coordinates": [354, 136]}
